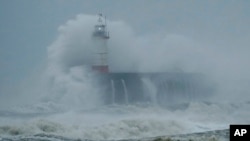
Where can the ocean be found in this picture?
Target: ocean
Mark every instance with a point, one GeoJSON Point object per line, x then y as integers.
{"type": "Point", "coordinates": [193, 120]}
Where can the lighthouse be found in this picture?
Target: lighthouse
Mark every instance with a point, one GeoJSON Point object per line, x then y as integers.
{"type": "Point", "coordinates": [100, 49]}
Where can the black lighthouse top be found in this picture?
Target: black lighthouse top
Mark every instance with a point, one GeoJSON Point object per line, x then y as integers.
{"type": "Point", "coordinates": [100, 28]}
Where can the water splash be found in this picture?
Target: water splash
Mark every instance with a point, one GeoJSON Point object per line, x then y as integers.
{"type": "Point", "coordinates": [125, 91]}
{"type": "Point", "coordinates": [150, 90]}
{"type": "Point", "coordinates": [113, 91]}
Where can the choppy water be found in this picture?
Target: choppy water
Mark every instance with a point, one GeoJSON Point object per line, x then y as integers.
{"type": "Point", "coordinates": [47, 121]}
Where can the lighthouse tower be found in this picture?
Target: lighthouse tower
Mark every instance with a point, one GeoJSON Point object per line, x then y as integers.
{"type": "Point", "coordinates": [100, 37]}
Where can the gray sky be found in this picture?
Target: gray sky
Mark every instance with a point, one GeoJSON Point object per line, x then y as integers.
{"type": "Point", "coordinates": [28, 27]}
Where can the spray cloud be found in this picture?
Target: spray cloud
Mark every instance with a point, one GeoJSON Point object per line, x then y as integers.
{"type": "Point", "coordinates": [69, 56]}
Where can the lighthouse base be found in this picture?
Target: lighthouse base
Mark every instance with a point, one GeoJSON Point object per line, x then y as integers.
{"type": "Point", "coordinates": [160, 88]}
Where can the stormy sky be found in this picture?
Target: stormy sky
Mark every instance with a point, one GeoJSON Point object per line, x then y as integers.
{"type": "Point", "coordinates": [28, 27]}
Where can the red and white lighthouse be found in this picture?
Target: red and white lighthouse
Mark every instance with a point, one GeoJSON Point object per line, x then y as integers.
{"type": "Point", "coordinates": [100, 37]}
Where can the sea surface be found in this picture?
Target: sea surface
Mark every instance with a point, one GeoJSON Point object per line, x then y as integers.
{"type": "Point", "coordinates": [193, 120]}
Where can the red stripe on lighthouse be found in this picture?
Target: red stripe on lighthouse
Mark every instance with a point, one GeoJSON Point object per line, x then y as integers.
{"type": "Point", "coordinates": [101, 69]}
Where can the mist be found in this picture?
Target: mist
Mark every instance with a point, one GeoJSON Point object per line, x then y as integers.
{"type": "Point", "coordinates": [65, 76]}
{"type": "Point", "coordinates": [71, 54]}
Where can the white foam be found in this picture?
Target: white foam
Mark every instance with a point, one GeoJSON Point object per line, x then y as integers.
{"type": "Point", "coordinates": [123, 122]}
